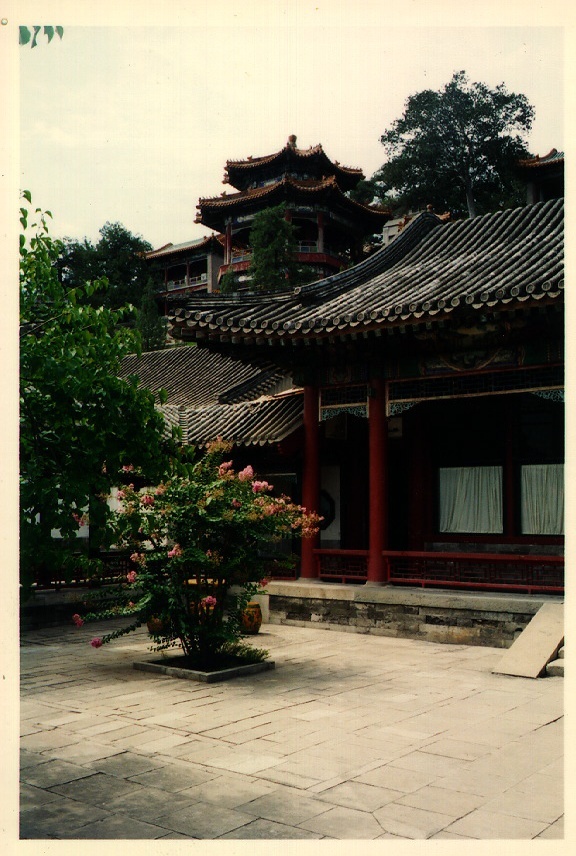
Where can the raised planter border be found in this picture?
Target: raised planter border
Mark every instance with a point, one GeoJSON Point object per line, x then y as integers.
{"type": "Point", "coordinates": [206, 677]}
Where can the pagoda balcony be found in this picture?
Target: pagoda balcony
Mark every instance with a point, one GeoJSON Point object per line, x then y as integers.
{"type": "Point", "coordinates": [306, 251]}
{"type": "Point", "coordinates": [531, 574]}
{"type": "Point", "coordinates": [193, 282]}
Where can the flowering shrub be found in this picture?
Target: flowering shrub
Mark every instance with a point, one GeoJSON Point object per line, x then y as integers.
{"type": "Point", "coordinates": [192, 540]}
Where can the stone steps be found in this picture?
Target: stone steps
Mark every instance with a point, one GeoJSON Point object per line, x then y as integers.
{"type": "Point", "coordinates": [555, 668]}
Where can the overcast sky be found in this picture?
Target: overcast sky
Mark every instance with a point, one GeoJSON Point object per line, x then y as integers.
{"type": "Point", "coordinates": [135, 123]}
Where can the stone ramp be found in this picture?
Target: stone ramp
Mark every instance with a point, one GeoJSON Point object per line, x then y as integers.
{"type": "Point", "coordinates": [537, 645]}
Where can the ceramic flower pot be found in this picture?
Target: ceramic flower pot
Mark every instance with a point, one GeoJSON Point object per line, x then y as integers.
{"type": "Point", "coordinates": [252, 618]}
{"type": "Point", "coordinates": [154, 625]}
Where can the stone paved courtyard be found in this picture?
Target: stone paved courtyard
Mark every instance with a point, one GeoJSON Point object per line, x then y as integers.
{"type": "Point", "coordinates": [350, 737]}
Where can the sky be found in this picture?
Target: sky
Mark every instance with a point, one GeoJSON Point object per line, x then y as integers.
{"type": "Point", "coordinates": [133, 123]}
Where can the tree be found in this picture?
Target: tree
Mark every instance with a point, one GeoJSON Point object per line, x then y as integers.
{"type": "Point", "coordinates": [80, 423]}
{"type": "Point", "coordinates": [274, 266]}
{"type": "Point", "coordinates": [118, 256]}
{"type": "Point", "coordinates": [456, 148]}
{"type": "Point", "coordinates": [149, 323]}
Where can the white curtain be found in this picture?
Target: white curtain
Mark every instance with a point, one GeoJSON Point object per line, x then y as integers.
{"type": "Point", "coordinates": [543, 499]}
{"type": "Point", "coordinates": [471, 500]}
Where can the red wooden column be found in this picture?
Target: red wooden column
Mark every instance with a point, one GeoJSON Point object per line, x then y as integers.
{"type": "Point", "coordinates": [310, 477]}
{"type": "Point", "coordinates": [228, 245]}
{"type": "Point", "coordinates": [378, 484]}
{"type": "Point", "coordinates": [320, 224]}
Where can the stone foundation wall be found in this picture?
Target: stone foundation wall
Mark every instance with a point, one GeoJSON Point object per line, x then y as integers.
{"type": "Point", "coordinates": [433, 623]}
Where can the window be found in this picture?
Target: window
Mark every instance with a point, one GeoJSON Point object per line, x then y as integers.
{"type": "Point", "coordinates": [471, 500]}
{"type": "Point", "coordinates": [542, 499]}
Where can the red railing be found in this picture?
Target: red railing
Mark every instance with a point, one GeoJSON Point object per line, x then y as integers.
{"type": "Point", "coordinates": [345, 566]}
{"type": "Point", "coordinates": [483, 571]}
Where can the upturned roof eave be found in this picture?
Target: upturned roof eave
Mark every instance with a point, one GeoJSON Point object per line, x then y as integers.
{"type": "Point", "coordinates": [212, 211]}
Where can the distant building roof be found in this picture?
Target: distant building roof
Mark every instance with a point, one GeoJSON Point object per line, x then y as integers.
{"type": "Point", "coordinates": [171, 249]}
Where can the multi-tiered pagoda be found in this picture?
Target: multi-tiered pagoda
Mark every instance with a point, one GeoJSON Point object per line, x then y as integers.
{"type": "Point", "coordinates": [330, 227]}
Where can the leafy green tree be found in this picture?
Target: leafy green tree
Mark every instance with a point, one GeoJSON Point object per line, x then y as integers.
{"type": "Point", "coordinates": [118, 256]}
{"type": "Point", "coordinates": [456, 148]}
{"type": "Point", "coordinates": [228, 282]}
{"type": "Point", "coordinates": [273, 242]}
{"type": "Point", "coordinates": [29, 35]}
{"type": "Point", "coordinates": [149, 323]}
{"type": "Point", "coordinates": [80, 423]}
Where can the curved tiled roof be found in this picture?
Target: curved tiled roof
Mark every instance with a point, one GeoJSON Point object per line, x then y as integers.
{"type": "Point", "coordinates": [287, 184]}
{"type": "Point", "coordinates": [238, 172]}
{"type": "Point", "coordinates": [431, 270]}
{"type": "Point", "coordinates": [248, 423]}
{"type": "Point", "coordinates": [195, 377]}
{"type": "Point", "coordinates": [553, 157]}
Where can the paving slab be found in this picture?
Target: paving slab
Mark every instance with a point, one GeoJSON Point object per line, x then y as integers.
{"type": "Point", "coordinates": [490, 824]}
{"type": "Point", "coordinates": [345, 823]}
{"type": "Point", "coordinates": [205, 820]}
{"type": "Point", "coordinates": [411, 822]}
{"type": "Point", "coordinates": [269, 829]}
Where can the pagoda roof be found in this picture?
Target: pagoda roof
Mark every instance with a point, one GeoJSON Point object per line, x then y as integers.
{"type": "Point", "coordinates": [553, 158]}
{"type": "Point", "coordinates": [212, 211]}
{"type": "Point", "coordinates": [432, 271]}
{"type": "Point", "coordinates": [186, 246]}
{"type": "Point", "coordinates": [241, 173]}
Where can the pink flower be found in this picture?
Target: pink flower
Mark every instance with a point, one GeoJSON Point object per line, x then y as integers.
{"type": "Point", "coordinates": [96, 643]}
{"type": "Point", "coordinates": [77, 620]}
{"type": "Point", "coordinates": [131, 604]}
{"type": "Point", "coordinates": [259, 486]}
{"type": "Point", "coordinates": [224, 468]}
{"type": "Point", "coordinates": [264, 582]}
{"type": "Point", "coordinates": [236, 503]}
{"type": "Point", "coordinates": [128, 468]}
{"type": "Point", "coordinates": [209, 601]}
{"type": "Point", "coordinates": [247, 474]}
{"type": "Point", "coordinates": [175, 551]}
{"type": "Point", "coordinates": [147, 499]}
{"type": "Point", "coordinates": [120, 494]}
{"type": "Point", "coordinates": [160, 490]}
{"type": "Point", "coordinates": [131, 576]}
{"type": "Point", "coordinates": [138, 558]}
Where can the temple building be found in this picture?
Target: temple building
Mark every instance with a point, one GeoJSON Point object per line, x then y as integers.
{"type": "Point", "coordinates": [330, 228]}
{"type": "Point", "coordinates": [430, 378]}
{"type": "Point", "coordinates": [183, 268]}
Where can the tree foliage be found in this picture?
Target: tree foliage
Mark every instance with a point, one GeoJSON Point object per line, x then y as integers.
{"type": "Point", "coordinates": [273, 242]}
{"type": "Point", "coordinates": [456, 148]}
{"type": "Point", "coordinates": [149, 323]}
{"type": "Point", "coordinates": [80, 423]}
{"type": "Point", "coordinates": [118, 256]}
{"type": "Point", "coordinates": [29, 35]}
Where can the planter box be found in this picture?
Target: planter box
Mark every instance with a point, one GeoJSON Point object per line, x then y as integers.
{"type": "Point", "coordinates": [207, 677]}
